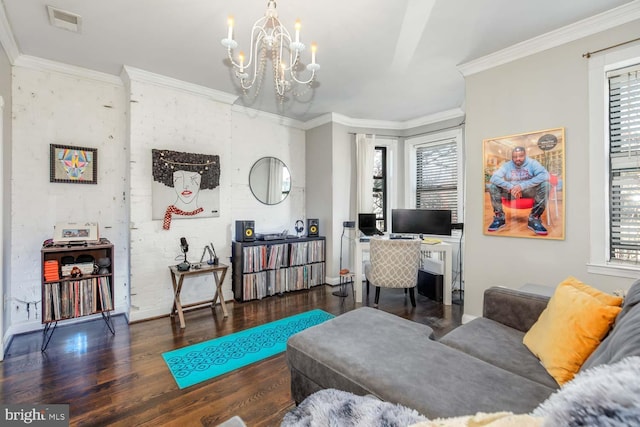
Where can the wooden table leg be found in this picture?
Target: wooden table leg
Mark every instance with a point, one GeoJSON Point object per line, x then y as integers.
{"type": "Point", "coordinates": [175, 286]}
{"type": "Point", "coordinates": [177, 306]}
{"type": "Point", "coordinates": [219, 281]}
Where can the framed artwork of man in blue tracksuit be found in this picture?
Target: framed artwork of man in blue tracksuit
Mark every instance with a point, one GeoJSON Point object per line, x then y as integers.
{"type": "Point", "coordinates": [524, 185]}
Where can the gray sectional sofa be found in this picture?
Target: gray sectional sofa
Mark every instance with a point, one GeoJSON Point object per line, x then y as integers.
{"type": "Point", "coordinates": [481, 366]}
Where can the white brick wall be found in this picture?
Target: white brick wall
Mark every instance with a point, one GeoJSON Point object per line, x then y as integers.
{"type": "Point", "coordinates": [163, 117]}
{"type": "Point", "coordinates": [53, 107]}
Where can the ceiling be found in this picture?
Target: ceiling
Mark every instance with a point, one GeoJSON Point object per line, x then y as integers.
{"type": "Point", "coordinates": [380, 60]}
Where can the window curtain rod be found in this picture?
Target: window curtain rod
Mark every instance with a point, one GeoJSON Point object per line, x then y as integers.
{"type": "Point", "coordinates": [588, 54]}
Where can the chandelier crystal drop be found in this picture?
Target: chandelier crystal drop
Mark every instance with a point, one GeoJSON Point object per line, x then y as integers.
{"type": "Point", "coordinates": [271, 40]}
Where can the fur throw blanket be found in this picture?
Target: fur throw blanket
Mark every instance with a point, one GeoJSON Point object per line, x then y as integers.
{"type": "Point", "coordinates": [607, 396]}
{"type": "Point", "coordinates": [335, 408]}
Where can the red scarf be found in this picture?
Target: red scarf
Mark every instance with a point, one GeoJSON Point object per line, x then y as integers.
{"type": "Point", "coordinates": [172, 209]}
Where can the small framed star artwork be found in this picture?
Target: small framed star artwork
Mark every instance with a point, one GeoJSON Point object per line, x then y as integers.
{"type": "Point", "coordinates": [75, 165]}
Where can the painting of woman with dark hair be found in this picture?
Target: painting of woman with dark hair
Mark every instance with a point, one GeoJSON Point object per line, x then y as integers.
{"type": "Point", "coordinates": [188, 174]}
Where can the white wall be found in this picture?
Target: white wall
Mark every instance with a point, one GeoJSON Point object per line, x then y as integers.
{"type": "Point", "coordinates": [56, 108]}
{"type": "Point", "coordinates": [344, 198]}
{"type": "Point", "coordinates": [5, 192]}
{"type": "Point", "coordinates": [171, 118]}
{"type": "Point", "coordinates": [251, 138]}
{"type": "Point", "coordinates": [541, 91]}
{"type": "Point", "coordinates": [319, 191]}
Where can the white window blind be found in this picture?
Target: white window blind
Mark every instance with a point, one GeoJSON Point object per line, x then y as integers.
{"type": "Point", "coordinates": [624, 166]}
{"type": "Point", "coordinates": [437, 177]}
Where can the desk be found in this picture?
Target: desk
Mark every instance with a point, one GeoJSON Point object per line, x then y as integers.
{"type": "Point", "coordinates": [443, 247]}
{"type": "Point", "coordinates": [177, 277]}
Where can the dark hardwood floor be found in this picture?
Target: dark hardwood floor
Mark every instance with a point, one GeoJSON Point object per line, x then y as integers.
{"type": "Point", "coordinates": [122, 379]}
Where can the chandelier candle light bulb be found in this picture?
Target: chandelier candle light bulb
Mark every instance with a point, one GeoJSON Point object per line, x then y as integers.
{"type": "Point", "coordinates": [230, 33]}
{"type": "Point", "coordinates": [228, 42]}
{"type": "Point", "coordinates": [297, 26]}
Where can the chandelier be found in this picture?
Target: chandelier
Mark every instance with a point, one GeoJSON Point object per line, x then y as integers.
{"type": "Point", "coordinates": [270, 39]}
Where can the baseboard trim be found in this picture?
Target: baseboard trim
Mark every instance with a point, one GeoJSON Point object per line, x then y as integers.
{"type": "Point", "coordinates": [466, 318]}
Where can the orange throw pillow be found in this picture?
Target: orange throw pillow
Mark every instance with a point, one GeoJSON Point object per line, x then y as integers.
{"type": "Point", "coordinates": [605, 298]}
{"type": "Point", "coordinates": [569, 330]}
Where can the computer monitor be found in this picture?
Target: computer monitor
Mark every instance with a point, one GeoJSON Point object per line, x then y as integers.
{"type": "Point", "coordinates": [421, 221]}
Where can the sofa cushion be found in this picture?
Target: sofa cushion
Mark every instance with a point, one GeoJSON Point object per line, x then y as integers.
{"type": "Point", "coordinates": [569, 330]}
{"type": "Point", "coordinates": [499, 345]}
{"type": "Point", "coordinates": [366, 351]}
{"type": "Point", "coordinates": [630, 300]}
{"type": "Point", "coordinates": [513, 308]}
{"type": "Point", "coordinates": [622, 341]}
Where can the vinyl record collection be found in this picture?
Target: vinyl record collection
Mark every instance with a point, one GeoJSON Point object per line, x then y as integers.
{"type": "Point", "coordinates": [76, 298]}
{"type": "Point", "coordinates": [273, 269]}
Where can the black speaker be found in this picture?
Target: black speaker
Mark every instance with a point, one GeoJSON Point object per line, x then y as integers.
{"type": "Point", "coordinates": [313, 227]}
{"type": "Point", "coordinates": [245, 231]}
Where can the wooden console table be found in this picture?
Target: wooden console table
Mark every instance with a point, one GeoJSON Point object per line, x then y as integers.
{"type": "Point", "coordinates": [177, 277]}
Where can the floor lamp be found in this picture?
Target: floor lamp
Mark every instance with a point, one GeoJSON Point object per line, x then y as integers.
{"type": "Point", "coordinates": [344, 272]}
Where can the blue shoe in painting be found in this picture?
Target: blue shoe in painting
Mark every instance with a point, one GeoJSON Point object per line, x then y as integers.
{"type": "Point", "coordinates": [497, 224]}
{"type": "Point", "coordinates": [536, 226]}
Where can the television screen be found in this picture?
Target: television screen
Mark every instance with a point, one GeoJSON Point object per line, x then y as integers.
{"type": "Point", "coordinates": [421, 221]}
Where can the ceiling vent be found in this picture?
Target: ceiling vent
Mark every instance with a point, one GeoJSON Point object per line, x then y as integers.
{"type": "Point", "coordinates": [63, 19]}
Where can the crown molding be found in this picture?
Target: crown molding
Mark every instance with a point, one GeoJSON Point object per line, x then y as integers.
{"type": "Point", "coordinates": [274, 118]}
{"type": "Point", "coordinates": [42, 64]}
{"type": "Point", "coordinates": [7, 40]}
{"type": "Point", "coordinates": [318, 121]}
{"type": "Point", "coordinates": [587, 27]}
{"type": "Point", "coordinates": [136, 74]}
{"type": "Point", "coordinates": [454, 113]}
{"type": "Point", "coordinates": [384, 124]}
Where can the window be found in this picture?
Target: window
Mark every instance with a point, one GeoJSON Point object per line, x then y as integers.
{"type": "Point", "coordinates": [609, 251]}
{"type": "Point", "coordinates": [380, 187]}
{"type": "Point", "coordinates": [624, 164]}
{"type": "Point", "coordinates": [436, 172]}
{"type": "Point", "coordinates": [437, 177]}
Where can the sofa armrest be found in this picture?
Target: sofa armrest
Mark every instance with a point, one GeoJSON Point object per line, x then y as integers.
{"type": "Point", "coordinates": [513, 308]}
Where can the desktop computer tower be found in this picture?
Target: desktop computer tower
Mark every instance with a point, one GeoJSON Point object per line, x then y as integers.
{"type": "Point", "coordinates": [430, 285]}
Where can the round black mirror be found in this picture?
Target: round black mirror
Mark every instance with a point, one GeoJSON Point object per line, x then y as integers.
{"type": "Point", "coordinates": [270, 180]}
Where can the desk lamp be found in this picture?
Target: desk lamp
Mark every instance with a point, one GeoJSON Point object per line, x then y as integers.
{"type": "Point", "coordinates": [213, 258]}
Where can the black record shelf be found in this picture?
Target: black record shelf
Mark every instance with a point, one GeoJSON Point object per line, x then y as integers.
{"type": "Point", "coordinates": [272, 267]}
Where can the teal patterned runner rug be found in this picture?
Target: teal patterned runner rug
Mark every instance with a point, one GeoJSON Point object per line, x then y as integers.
{"type": "Point", "coordinates": [200, 362]}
